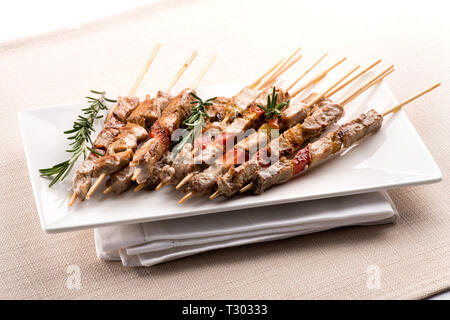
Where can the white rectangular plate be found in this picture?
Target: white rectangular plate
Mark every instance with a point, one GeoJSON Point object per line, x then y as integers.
{"type": "Point", "coordinates": [394, 157]}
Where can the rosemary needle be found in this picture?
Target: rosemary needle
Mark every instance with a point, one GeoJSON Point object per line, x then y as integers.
{"type": "Point", "coordinates": [80, 135]}
{"type": "Point", "coordinates": [194, 123]}
{"type": "Point", "coordinates": [273, 110]}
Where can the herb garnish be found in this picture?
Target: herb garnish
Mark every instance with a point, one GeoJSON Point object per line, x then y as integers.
{"type": "Point", "coordinates": [194, 123]}
{"type": "Point", "coordinates": [81, 136]}
{"type": "Point", "coordinates": [273, 110]}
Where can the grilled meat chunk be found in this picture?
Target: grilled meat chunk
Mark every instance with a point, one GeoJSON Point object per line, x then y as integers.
{"type": "Point", "coordinates": [111, 163]}
{"type": "Point", "coordinates": [108, 133]}
{"type": "Point", "coordinates": [319, 121]}
{"type": "Point", "coordinates": [120, 181]}
{"type": "Point", "coordinates": [82, 179]}
{"type": "Point", "coordinates": [149, 110]}
{"type": "Point", "coordinates": [275, 174]}
{"type": "Point", "coordinates": [206, 180]}
{"type": "Point", "coordinates": [362, 126]}
{"type": "Point", "coordinates": [128, 138]}
{"type": "Point", "coordinates": [125, 105]}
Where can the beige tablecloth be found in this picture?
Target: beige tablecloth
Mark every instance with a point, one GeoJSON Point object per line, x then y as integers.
{"type": "Point", "coordinates": [412, 257]}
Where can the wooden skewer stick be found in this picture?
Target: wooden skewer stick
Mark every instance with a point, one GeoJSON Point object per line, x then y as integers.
{"type": "Point", "coordinates": [317, 78]}
{"type": "Point", "coordinates": [375, 80]}
{"type": "Point", "coordinates": [187, 196]}
{"type": "Point", "coordinates": [401, 105]}
{"type": "Point", "coordinates": [247, 187]}
{"type": "Point", "coordinates": [182, 70]}
{"type": "Point", "coordinates": [342, 86]}
{"type": "Point", "coordinates": [184, 181]}
{"type": "Point", "coordinates": [73, 198]}
{"type": "Point", "coordinates": [144, 71]}
{"type": "Point", "coordinates": [216, 194]}
{"type": "Point", "coordinates": [281, 69]}
{"type": "Point", "coordinates": [254, 84]}
{"type": "Point", "coordinates": [288, 66]}
{"type": "Point", "coordinates": [371, 83]}
{"type": "Point", "coordinates": [203, 72]}
{"type": "Point", "coordinates": [136, 84]}
{"type": "Point", "coordinates": [307, 71]}
{"type": "Point", "coordinates": [107, 190]}
{"type": "Point", "coordinates": [139, 187]}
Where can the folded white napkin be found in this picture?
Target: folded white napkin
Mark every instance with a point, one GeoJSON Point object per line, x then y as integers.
{"type": "Point", "coordinates": [150, 243]}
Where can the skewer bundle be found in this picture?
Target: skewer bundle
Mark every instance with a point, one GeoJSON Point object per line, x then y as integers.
{"type": "Point", "coordinates": [135, 143]}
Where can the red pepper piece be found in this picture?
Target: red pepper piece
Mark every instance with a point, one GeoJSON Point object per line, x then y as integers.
{"type": "Point", "coordinates": [301, 160]}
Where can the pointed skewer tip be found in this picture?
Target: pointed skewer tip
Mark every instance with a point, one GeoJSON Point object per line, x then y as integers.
{"type": "Point", "coordinates": [139, 187]}
{"type": "Point", "coordinates": [215, 195]}
{"type": "Point", "coordinates": [72, 199]}
{"type": "Point", "coordinates": [160, 185]}
{"type": "Point", "coordinates": [186, 197]}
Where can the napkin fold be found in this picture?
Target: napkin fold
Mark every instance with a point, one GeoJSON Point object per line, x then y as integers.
{"type": "Point", "coordinates": [147, 244]}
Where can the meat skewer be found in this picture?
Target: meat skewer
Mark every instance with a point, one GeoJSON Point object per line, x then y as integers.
{"type": "Point", "coordinates": [121, 181]}
{"type": "Point", "coordinates": [215, 149]}
{"type": "Point", "coordinates": [325, 148]}
{"type": "Point", "coordinates": [112, 124]}
{"type": "Point", "coordinates": [312, 127]}
{"type": "Point", "coordinates": [206, 180]}
{"type": "Point", "coordinates": [117, 166]}
{"type": "Point", "coordinates": [122, 148]}
{"type": "Point", "coordinates": [235, 105]}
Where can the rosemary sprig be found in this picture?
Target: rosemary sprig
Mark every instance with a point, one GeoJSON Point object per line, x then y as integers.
{"type": "Point", "coordinates": [80, 134]}
{"type": "Point", "coordinates": [273, 110]}
{"type": "Point", "coordinates": [194, 123]}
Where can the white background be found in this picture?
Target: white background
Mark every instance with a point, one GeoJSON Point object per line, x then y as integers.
{"type": "Point", "coordinates": [23, 18]}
